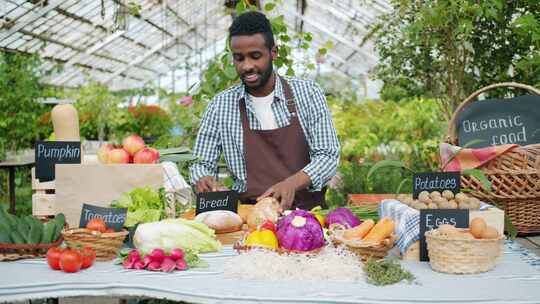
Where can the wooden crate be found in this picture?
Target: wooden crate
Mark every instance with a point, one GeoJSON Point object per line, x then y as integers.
{"type": "Point", "coordinates": [43, 197]}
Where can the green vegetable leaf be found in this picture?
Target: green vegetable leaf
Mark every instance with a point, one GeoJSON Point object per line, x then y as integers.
{"type": "Point", "coordinates": [192, 259]}
{"type": "Point", "coordinates": [180, 150]}
{"type": "Point", "coordinates": [144, 205]}
{"type": "Point", "coordinates": [510, 228]}
{"type": "Point", "coordinates": [479, 175]}
{"type": "Point", "coordinates": [386, 272]}
{"type": "Point", "coordinates": [178, 158]}
{"type": "Point", "coordinates": [142, 216]}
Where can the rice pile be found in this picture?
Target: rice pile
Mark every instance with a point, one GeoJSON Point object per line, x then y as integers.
{"type": "Point", "coordinates": [331, 264]}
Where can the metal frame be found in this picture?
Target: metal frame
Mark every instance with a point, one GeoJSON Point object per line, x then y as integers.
{"type": "Point", "coordinates": [71, 33]}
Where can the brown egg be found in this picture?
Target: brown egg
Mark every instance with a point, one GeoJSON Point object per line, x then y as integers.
{"type": "Point", "coordinates": [490, 233]}
{"type": "Point", "coordinates": [447, 229]}
{"type": "Point", "coordinates": [477, 227]}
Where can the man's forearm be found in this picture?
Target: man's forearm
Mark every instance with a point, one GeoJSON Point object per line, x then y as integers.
{"type": "Point", "coordinates": [300, 180]}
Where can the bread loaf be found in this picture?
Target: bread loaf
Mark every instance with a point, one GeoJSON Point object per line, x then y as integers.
{"type": "Point", "coordinates": [222, 221]}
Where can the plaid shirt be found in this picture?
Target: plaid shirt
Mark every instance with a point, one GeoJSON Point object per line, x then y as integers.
{"type": "Point", "coordinates": [221, 131]}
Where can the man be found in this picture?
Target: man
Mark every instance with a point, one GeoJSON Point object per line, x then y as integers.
{"type": "Point", "coordinates": [276, 133]}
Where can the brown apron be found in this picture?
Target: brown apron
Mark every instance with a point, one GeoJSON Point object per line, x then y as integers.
{"type": "Point", "coordinates": [273, 155]}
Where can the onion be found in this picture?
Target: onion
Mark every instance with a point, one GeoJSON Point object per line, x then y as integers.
{"type": "Point", "coordinates": [343, 216]}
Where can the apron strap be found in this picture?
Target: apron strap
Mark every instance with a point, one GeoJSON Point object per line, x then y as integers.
{"type": "Point", "coordinates": [289, 97]}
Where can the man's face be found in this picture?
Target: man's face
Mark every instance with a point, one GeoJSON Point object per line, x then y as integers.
{"type": "Point", "coordinates": [252, 59]}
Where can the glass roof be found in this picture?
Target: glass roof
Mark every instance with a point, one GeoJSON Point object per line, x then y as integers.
{"type": "Point", "coordinates": [168, 42]}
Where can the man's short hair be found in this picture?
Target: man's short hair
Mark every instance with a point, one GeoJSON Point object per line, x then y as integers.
{"type": "Point", "coordinates": [251, 23]}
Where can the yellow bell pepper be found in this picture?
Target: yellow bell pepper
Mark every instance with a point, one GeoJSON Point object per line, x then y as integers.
{"type": "Point", "coordinates": [262, 238]}
{"type": "Point", "coordinates": [320, 218]}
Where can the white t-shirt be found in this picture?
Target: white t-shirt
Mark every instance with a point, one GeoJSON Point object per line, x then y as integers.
{"type": "Point", "coordinates": [263, 111]}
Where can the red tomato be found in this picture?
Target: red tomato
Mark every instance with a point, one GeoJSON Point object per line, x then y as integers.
{"type": "Point", "coordinates": [88, 257]}
{"type": "Point", "coordinates": [97, 224]}
{"type": "Point", "coordinates": [268, 225]}
{"type": "Point", "coordinates": [109, 230]}
{"type": "Point", "coordinates": [71, 260]}
{"type": "Point", "coordinates": [53, 257]}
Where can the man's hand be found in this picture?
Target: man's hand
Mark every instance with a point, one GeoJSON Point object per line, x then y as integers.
{"type": "Point", "coordinates": [285, 190]}
{"type": "Point", "coordinates": [207, 184]}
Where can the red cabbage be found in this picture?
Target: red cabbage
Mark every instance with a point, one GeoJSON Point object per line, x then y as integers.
{"type": "Point", "coordinates": [343, 216]}
{"type": "Point", "coordinates": [300, 231]}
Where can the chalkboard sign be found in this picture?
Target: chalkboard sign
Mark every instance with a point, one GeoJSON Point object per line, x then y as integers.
{"type": "Point", "coordinates": [433, 218]}
{"type": "Point", "coordinates": [220, 200]}
{"type": "Point", "coordinates": [435, 181]}
{"type": "Point", "coordinates": [113, 217]}
{"type": "Point", "coordinates": [49, 153]}
{"type": "Point", "coordinates": [497, 122]}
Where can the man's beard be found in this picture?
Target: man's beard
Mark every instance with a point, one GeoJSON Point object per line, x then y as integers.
{"type": "Point", "coordinates": [265, 77]}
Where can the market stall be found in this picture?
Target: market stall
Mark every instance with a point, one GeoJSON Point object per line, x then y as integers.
{"type": "Point", "coordinates": [515, 280]}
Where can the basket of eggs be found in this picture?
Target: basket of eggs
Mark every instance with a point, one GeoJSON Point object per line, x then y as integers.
{"type": "Point", "coordinates": [105, 241]}
{"type": "Point", "coordinates": [464, 251]}
{"type": "Point", "coordinates": [367, 240]}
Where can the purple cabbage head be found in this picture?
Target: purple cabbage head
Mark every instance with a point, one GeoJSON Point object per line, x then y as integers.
{"type": "Point", "coordinates": [343, 216]}
{"type": "Point", "coordinates": [300, 231]}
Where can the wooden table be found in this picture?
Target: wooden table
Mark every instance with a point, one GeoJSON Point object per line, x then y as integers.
{"type": "Point", "coordinates": [10, 164]}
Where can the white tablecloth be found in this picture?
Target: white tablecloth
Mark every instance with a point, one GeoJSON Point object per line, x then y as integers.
{"type": "Point", "coordinates": [516, 279]}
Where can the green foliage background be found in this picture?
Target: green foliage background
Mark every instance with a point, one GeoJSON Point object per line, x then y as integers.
{"type": "Point", "coordinates": [448, 49]}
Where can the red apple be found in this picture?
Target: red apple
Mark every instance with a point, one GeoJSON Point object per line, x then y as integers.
{"type": "Point", "coordinates": [132, 144]}
{"type": "Point", "coordinates": [118, 156]}
{"type": "Point", "coordinates": [145, 156]}
{"type": "Point", "coordinates": [156, 154]}
{"type": "Point", "coordinates": [103, 153]}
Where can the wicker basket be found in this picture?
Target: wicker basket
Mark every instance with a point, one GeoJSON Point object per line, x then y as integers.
{"type": "Point", "coordinates": [106, 245]}
{"type": "Point", "coordinates": [12, 252]}
{"type": "Point", "coordinates": [515, 175]}
{"type": "Point", "coordinates": [363, 249]}
{"type": "Point", "coordinates": [462, 256]}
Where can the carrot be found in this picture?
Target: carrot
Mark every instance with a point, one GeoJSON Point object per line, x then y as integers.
{"type": "Point", "coordinates": [382, 230]}
{"type": "Point", "coordinates": [359, 231]}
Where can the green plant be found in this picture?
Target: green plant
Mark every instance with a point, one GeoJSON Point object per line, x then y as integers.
{"type": "Point", "coordinates": [186, 117]}
{"type": "Point", "coordinates": [221, 73]}
{"type": "Point", "coordinates": [370, 131]}
{"type": "Point", "coordinates": [385, 164]}
{"type": "Point", "coordinates": [353, 178]}
{"type": "Point", "coordinates": [97, 108]}
{"type": "Point", "coordinates": [19, 90]}
{"type": "Point", "coordinates": [147, 121]}
{"type": "Point", "coordinates": [447, 49]}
